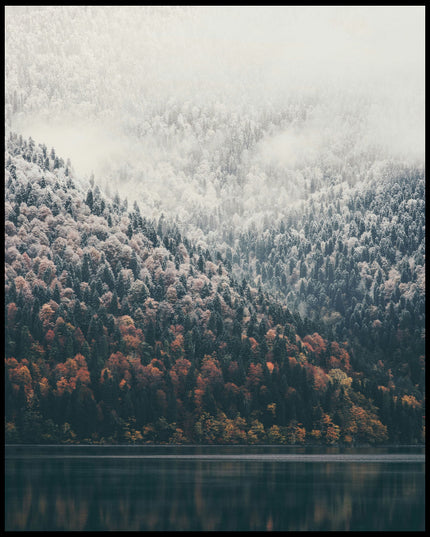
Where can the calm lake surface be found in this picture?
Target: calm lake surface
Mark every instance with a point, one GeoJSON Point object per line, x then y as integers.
{"type": "Point", "coordinates": [206, 488]}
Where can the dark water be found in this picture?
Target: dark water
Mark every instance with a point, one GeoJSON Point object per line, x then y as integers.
{"type": "Point", "coordinates": [213, 488]}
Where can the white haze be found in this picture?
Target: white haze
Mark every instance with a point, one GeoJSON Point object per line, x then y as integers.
{"type": "Point", "coordinates": [154, 99]}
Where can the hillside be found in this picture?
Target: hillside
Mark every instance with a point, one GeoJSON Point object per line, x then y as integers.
{"type": "Point", "coordinates": [120, 329]}
{"type": "Point", "coordinates": [224, 118]}
{"type": "Point", "coordinates": [353, 260]}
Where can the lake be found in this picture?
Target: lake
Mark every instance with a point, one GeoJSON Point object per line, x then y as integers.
{"type": "Point", "coordinates": [206, 488]}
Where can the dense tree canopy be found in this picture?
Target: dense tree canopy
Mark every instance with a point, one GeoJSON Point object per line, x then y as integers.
{"type": "Point", "coordinates": [118, 328]}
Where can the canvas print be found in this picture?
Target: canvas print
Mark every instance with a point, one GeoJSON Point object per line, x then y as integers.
{"type": "Point", "coordinates": [214, 268]}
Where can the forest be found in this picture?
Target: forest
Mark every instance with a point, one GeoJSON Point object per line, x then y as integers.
{"type": "Point", "coordinates": [355, 261]}
{"type": "Point", "coordinates": [214, 225]}
{"type": "Point", "coordinates": [119, 328]}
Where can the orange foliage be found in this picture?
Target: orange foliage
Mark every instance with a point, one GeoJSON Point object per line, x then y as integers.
{"type": "Point", "coordinates": [62, 386]}
{"type": "Point", "coordinates": [44, 387]}
{"type": "Point", "coordinates": [125, 323]}
{"type": "Point", "coordinates": [339, 357]}
{"type": "Point", "coordinates": [333, 363]}
{"type": "Point", "coordinates": [45, 314]}
{"type": "Point", "coordinates": [332, 434]}
{"type": "Point", "coordinates": [366, 425]}
{"type": "Point", "coordinates": [19, 373]}
{"type": "Point", "coordinates": [149, 376]}
{"type": "Point", "coordinates": [317, 343]}
{"type": "Point", "coordinates": [11, 363]}
{"type": "Point", "coordinates": [410, 400]}
{"type": "Point", "coordinates": [210, 370]}
{"type": "Point", "coordinates": [315, 434]}
{"type": "Point", "coordinates": [155, 362]}
{"type": "Point", "coordinates": [131, 335]}
{"type": "Point", "coordinates": [254, 345]}
{"type": "Point", "coordinates": [83, 376]}
{"type": "Point", "coordinates": [300, 434]}
{"type": "Point", "coordinates": [308, 346]}
{"type": "Point", "coordinates": [70, 373]}
{"type": "Point", "coordinates": [255, 375]}
{"type": "Point", "coordinates": [270, 336]}
{"type": "Point", "coordinates": [198, 397]}
{"type": "Point", "coordinates": [295, 433]}
{"type": "Point", "coordinates": [291, 348]}
{"type": "Point", "coordinates": [20, 283]}
{"type": "Point", "coordinates": [176, 329]}
{"type": "Point", "coordinates": [319, 376]}
{"type": "Point", "coordinates": [231, 388]}
{"type": "Point", "coordinates": [118, 365]}
{"type": "Point", "coordinates": [131, 342]}
{"type": "Point", "coordinates": [178, 374]}
{"type": "Point", "coordinates": [272, 409]}
{"type": "Point", "coordinates": [177, 345]}
{"type": "Point", "coordinates": [79, 336]}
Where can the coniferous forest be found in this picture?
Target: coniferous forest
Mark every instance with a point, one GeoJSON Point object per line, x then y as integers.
{"type": "Point", "coordinates": [119, 329]}
{"type": "Point", "coordinates": [246, 264]}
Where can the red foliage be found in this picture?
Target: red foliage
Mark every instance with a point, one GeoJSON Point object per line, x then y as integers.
{"type": "Point", "coordinates": [118, 365]}
{"type": "Point", "coordinates": [177, 345]}
{"type": "Point", "coordinates": [178, 374]}
{"type": "Point", "coordinates": [317, 343]}
{"type": "Point", "coordinates": [255, 375]}
{"type": "Point", "coordinates": [340, 357]}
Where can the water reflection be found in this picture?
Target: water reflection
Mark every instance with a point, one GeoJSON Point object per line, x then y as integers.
{"type": "Point", "coordinates": [200, 494]}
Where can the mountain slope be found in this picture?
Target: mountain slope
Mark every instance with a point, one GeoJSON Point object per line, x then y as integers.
{"type": "Point", "coordinates": [119, 329]}
{"type": "Point", "coordinates": [353, 259]}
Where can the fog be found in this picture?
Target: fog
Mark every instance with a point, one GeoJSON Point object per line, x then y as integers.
{"type": "Point", "coordinates": [193, 110]}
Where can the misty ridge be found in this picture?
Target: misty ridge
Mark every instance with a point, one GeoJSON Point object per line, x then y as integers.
{"type": "Point", "coordinates": [221, 118]}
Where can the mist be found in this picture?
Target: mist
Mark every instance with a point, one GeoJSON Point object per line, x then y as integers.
{"type": "Point", "coordinates": [195, 109]}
